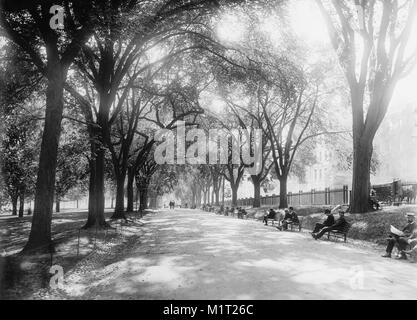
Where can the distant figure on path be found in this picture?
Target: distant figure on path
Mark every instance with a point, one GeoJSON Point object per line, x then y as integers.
{"type": "Point", "coordinates": [327, 223]}
{"type": "Point", "coordinates": [373, 201]}
{"type": "Point", "coordinates": [403, 240]}
{"type": "Point", "coordinates": [171, 204]}
{"type": "Point", "coordinates": [339, 225]}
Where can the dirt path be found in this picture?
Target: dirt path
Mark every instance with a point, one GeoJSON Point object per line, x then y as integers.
{"type": "Point", "coordinates": [190, 254]}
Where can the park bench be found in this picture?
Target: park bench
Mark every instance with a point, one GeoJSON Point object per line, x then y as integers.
{"type": "Point", "coordinates": [291, 226]}
{"type": "Point", "coordinates": [339, 234]}
{"type": "Point", "coordinates": [272, 221]}
{"type": "Point", "coordinates": [296, 225]}
{"type": "Point", "coordinates": [242, 214]}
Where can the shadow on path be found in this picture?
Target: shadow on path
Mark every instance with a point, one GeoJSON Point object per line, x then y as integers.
{"type": "Point", "coordinates": [190, 254]}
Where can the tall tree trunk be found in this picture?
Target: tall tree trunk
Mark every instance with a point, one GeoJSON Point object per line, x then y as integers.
{"type": "Point", "coordinates": [217, 195]}
{"type": "Point", "coordinates": [198, 197]}
{"type": "Point", "coordinates": [223, 191]}
{"type": "Point", "coordinates": [153, 201]}
{"type": "Point", "coordinates": [57, 206]}
{"type": "Point", "coordinates": [137, 199]}
{"type": "Point", "coordinates": [14, 205]}
{"type": "Point", "coordinates": [130, 180]}
{"type": "Point", "coordinates": [362, 154]}
{"type": "Point", "coordinates": [40, 232]}
{"type": "Point", "coordinates": [283, 202]}
{"type": "Point", "coordinates": [99, 188]}
{"type": "Point", "coordinates": [256, 191]}
{"type": "Point", "coordinates": [193, 198]}
{"type": "Point", "coordinates": [96, 190]}
{"type": "Point", "coordinates": [91, 192]}
{"type": "Point", "coordinates": [234, 188]}
{"type": "Point", "coordinates": [120, 197]}
{"type": "Point", "coordinates": [143, 198]}
{"type": "Point", "coordinates": [21, 203]}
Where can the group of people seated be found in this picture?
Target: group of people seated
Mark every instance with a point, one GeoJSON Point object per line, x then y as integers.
{"type": "Point", "coordinates": [330, 224]}
{"type": "Point", "coordinates": [289, 217]}
{"type": "Point", "coordinates": [208, 207]}
{"type": "Point", "coordinates": [405, 241]}
{"type": "Point", "coordinates": [238, 211]}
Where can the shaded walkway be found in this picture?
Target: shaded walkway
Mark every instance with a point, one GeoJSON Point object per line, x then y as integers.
{"type": "Point", "coordinates": [190, 254]}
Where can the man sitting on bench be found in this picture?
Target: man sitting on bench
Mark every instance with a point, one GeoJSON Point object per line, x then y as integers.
{"type": "Point", "coordinates": [327, 223]}
{"type": "Point", "coordinates": [339, 225]}
{"type": "Point", "coordinates": [241, 213]}
{"type": "Point", "coordinates": [289, 217]}
{"type": "Point", "coordinates": [271, 215]}
{"type": "Point", "coordinates": [402, 241]}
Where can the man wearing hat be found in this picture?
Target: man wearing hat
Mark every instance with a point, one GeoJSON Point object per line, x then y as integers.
{"type": "Point", "coordinates": [289, 217]}
{"type": "Point", "coordinates": [327, 223]}
{"type": "Point", "coordinates": [271, 215]}
{"type": "Point", "coordinates": [402, 240]}
{"type": "Point", "coordinates": [340, 225]}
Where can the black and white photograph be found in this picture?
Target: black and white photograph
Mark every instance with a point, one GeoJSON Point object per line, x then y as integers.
{"type": "Point", "coordinates": [210, 151]}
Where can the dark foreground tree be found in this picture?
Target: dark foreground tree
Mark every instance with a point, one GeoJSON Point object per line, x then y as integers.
{"type": "Point", "coordinates": [371, 40]}
{"type": "Point", "coordinates": [27, 24]}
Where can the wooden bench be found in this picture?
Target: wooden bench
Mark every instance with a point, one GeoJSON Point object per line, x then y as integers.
{"type": "Point", "coordinates": [412, 251]}
{"type": "Point", "coordinates": [273, 221]}
{"type": "Point", "coordinates": [339, 234]}
{"type": "Point", "coordinates": [291, 226]}
{"type": "Point", "coordinates": [296, 224]}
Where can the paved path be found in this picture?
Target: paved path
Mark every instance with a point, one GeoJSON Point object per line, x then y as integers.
{"type": "Point", "coordinates": [190, 254]}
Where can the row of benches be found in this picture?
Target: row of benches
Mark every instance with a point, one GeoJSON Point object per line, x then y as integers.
{"type": "Point", "coordinates": [333, 234]}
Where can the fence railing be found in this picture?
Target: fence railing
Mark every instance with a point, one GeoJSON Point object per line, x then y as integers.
{"type": "Point", "coordinates": [314, 197]}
